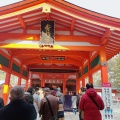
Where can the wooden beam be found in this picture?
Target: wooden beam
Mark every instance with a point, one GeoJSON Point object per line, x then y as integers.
{"type": "Point", "coordinates": [62, 28]}
{"type": "Point", "coordinates": [38, 60]}
{"type": "Point", "coordinates": [112, 48]}
{"type": "Point", "coordinates": [90, 39]}
{"type": "Point", "coordinates": [54, 75]}
{"type": "Point", "coordinates": [84, 17]}
{"type": "Point", "coordinates": [21, 22]}
{"type": "Point", "coordinates": [105, 37]}
{"type": "Point", "coordinates": [115, 43]}
{"type": "Point", "coordinates": [82, 54]}
{"type": "Point", "coordinates": [24, 36]}
{"type": "Point", "coordinates": [52, 66]}
{"type": "Point", "coordinates": [72, 26]}
{"type": "Point", "coordinates": [88, 30]}
{"type": "Point", "coordinates": [63, 23]}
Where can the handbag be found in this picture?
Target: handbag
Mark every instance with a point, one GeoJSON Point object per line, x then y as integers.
{"type": "Point", "coordinates": [53, 117]}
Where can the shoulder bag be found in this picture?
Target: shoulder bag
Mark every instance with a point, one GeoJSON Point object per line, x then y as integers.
{"type": "Point", "coordinates": [53, 117]}
{"type": "Point", "coordinates": [94, 102]}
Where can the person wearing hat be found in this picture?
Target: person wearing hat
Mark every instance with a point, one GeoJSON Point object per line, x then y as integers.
{"type": "Point", "coordinates": [53, 92]}
{"type": "Point", "coordinates": [45, 104]}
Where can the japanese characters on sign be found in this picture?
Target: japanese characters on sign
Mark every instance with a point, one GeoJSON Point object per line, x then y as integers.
{"type": "Point", "coordinates": [47, 33]}
{"type": "Point", "coordinates": [107, 98]}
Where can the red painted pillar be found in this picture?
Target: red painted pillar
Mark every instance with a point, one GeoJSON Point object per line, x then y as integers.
{"type": "Point", "coordinates": [6, 88]}
{"type": "Point", "coordinates": [19, 81]}
{"type": "Point", "coordinates": [90, 74]}
{"type": "Point", "coordinates": [90, 78]}
{"type": "Point", "coordinates": [30, 82]}
{"type": "Point", "coordinates": [77, 84]}
{"type": "Point", "coordinates": [19, 78]}
{"type": "Point", "coordinates": [42, 81]}
{"type": "Point", "coordinates": [104, 71]}
{"type": "Point", "coordinates": [64, 86]}
{"type": "Point", "coordinates": [83, 82]}
{"type": "Point", "coordinates": [26, 85]}
{"type": "Point", "coordinates": [80, 83]}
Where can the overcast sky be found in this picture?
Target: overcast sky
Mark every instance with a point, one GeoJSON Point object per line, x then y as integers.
{"type": "Point", "coordinates": [107, 7]}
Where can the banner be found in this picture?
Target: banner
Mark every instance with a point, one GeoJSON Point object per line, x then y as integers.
{"type": "Point", "coordinates": [107, 98]}
{"type": "Point", "coordinates": [68, 103]}
{"type": "Point", "coordinates": [47, 33]}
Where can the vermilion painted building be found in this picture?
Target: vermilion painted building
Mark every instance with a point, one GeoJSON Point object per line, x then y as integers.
{"type": "Point", "coordinates": [83, 42]}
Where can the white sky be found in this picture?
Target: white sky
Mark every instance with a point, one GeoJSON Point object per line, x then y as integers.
{"type": "Point", "coordinates": [107, 7]}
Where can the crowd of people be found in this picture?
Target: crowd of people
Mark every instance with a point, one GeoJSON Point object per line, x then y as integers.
{"type": "Point", "coordinates": [27, 105]}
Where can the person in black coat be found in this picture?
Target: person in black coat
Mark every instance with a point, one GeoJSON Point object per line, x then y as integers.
{"type": "Point", "coordinates": [1, 103]}
{"type": "Point", "coordinates": [17, 109]}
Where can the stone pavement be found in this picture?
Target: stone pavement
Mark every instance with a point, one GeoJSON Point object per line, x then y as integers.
{"type": "Point", "coordinates": [116, 113]}
{"type": "Point", "coordinates": [71, 116]}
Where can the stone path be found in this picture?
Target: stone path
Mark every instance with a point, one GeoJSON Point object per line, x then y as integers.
{"type": "Point", "coordinates": [71, 116]}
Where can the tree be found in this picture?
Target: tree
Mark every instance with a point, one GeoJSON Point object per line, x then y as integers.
{"type": "Point", "coordinates": [114, 71]}
{"type": "Point", "coordinates": [97, 79]}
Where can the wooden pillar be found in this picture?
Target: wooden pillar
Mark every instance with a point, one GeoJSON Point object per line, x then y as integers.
{"type": "Point", "coordinates": [6, 88]}
{"type": "Point", "coordinates": [77, 84]}
{"type": "Point", "coordinates": [26, 85]}
{"type": "Point", "coordinates": [90, 74]}
{"type": "Point", "coordinates": [104, 71]}
{"type": "Point", "coordinates": [7, 83]}
{"type": "Point", "coordinates": [90, 78]}
{"type": "Point", "coordinates": [41, 84]}
{"type": "Point", "coordinates": [19, 78]}
{"type": "Point", "coordinates": [64, 85]}
{"type": "Point", "coordinates": [83, 82]}
{"type": "Point", "coordinates": [19, 81]}
{"type": "Point", "coordinates": [80, 83]}
{"type": "Point", "coordinates": [30, 78]}
{"type": "Point", "coordinates": [30, 82]}
{"type": "Point", "coordinates": [42, 81]}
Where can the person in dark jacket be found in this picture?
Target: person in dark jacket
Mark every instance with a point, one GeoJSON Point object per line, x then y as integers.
{"type": "Point", "coordinates": [1, 103]}
{"type": "Point", "coordinates": [91, 110]}
{"type": "Point", "coordinates": [17, 109]}
{"type": "Point", "coordinates": [44, 106]}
